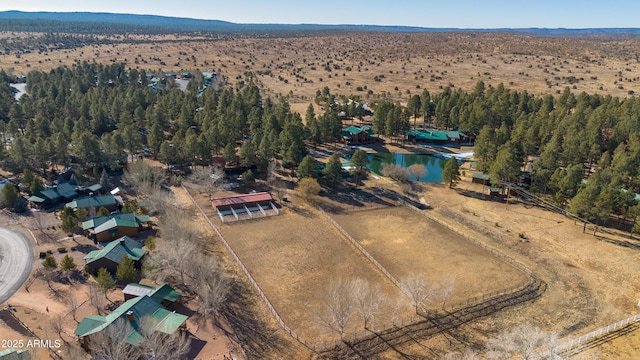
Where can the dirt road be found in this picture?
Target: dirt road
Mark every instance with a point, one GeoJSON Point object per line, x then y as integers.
{"type": "Point", "coordinates": [16, 261]}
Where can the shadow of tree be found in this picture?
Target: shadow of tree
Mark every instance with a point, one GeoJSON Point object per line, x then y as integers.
{"type": "Point", "coordinates": [258, 339]}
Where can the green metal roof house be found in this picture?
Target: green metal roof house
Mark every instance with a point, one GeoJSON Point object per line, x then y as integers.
{"type": "Point", "coordinates": [67, 191]}
{"type": "Point", "coordinates": [111, 255]}
{"type": "Point", "coordinates": [108, 201]}
{"type": "Point", "coordinates": [434, 136]}
{"type": "Point", "coordinates": [130, 322]}
{"type": "Point", "coordinates": [110, 227]}
{"type": "Point", "coordinates": [163, 294]}
{"type": "Point", "coordinates": [358, 135]}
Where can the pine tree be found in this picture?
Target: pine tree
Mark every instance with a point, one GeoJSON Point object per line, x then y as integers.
{"type": "Point", "coordinates": [308, 167]}
{"type": "Point", "coordinates": [105, 281]}
{"type": "Point", "coordinates": [333, 171]}
{"type": "Point", "coordinates": [10, 195]}
{"type": "Point", "coordinates": [126, 271]}
{"type": "Point", "coordinates": [104, 180]}
{"type": "Point", "coordinates": [69, 220]}
{"type": "Point", "coordinates": [359, 162]}
{"type": "Point", "coordinates": [67, 263]}
{"type": "Point", "coordinates": [49, 262]}
{"type": "Point", "coordinates": [451, 172]}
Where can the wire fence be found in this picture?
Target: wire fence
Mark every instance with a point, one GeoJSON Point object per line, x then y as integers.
{"type": "Point", "coordinates": [249, 276]}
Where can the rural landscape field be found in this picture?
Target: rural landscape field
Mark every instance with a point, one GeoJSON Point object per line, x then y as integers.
{"type": "Point", "coordinates": [196, 194]}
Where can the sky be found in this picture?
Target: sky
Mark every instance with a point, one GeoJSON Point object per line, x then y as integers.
{"type": "Point", "coordinates": [424, 13]}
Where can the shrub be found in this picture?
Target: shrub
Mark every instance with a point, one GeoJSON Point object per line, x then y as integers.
{"type": "Point", "coordinates": [62, 250]}
{"type": "Point", "coordinates": [395, 171]}
{"type": "Point", "coordinates": [43, 254]}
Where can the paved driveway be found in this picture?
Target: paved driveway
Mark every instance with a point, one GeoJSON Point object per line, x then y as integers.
{"type": "Point", "coordinates": [16, 261]}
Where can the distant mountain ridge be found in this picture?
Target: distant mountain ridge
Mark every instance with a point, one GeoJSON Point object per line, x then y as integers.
{"type": "Point", "coordinates": [171, 24]}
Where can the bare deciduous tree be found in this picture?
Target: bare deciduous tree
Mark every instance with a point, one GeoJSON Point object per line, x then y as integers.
{"type": "Point", "coordinates": [171, 261]}
{"type": "Point", "coordinates": [396, 308]}
{"type": "Point", "coordinates": [369, 300]}
{"type": "Point", "coordinates": [95, 298]}
{"type": "Point", "coordinates": [271, 173]}
{"type": "Point", "coordinates": [418, 289]}
{"type": "Point", "coordinates": [417, 171]}
{"type": "Point", "coordinates": [338, 306]}
{"type": "Point", "coordinates": [39, 224]}
{"type": "Point", "coordinates": [522, 342]}
{"type": "Point", "coordinates": [210, 285]}
{"type": "Point", "coordinates": [466, 355]}
{"type": "Point", "coordinates": [447, 287]}
{"type": "Point", "coordinates": [160, 346]}
{"type": "Point", "coordinates": [143, 177]}
{"type": "Point", "coordinates": [210, 179]}
{"type": "Point", "coordinates": [73, 307]}
{"type": "Point", "coordinates": [110, 343]}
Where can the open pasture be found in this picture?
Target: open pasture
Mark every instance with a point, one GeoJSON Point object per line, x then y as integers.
{"type": "Point", "coordinates": [404, 243]}
{"type": "Point", "coordinates": [294, 257]}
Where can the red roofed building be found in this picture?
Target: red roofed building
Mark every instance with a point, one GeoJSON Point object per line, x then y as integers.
{"type": "Point", "coordinates": [245, 206]}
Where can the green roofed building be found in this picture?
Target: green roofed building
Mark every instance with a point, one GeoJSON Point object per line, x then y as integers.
{"type": "Point", "coordinates": [108, 228]}
{"type": "Point", "coordinates": [108, 201]}
{"type": "Point", "coordinates": [131, 322]}
{"type": "Point", "coordinates": [358, 135]}
{"type": "Point", "coordinates": [15, 354]}
{"type": "Point", "coordinates": [430, 136]}
{"type": "Point", "coordinates": [480, 179]}
{"type": "Point", "coordinates": [163, 294]}
{"type": "Point", "coordinates": [67, 191]}
{"type": "Point", "coordinates": [111, 255]}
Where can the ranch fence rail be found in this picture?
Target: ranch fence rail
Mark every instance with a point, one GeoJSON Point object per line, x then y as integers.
{"type": "Point", "coordinates": [472, 308]}
{"type": "Point", "coordinates": [361, 249]}
{"type": "Point", "coordinates": [476, 306]}
{"type": "Point", "coordinates": [584, 339]}
{"type": "Point", "coordinates": [249, 276]}
{"type": "Point", "coordinates": [525, 195]}
{"type": "Point", "coordinates": [369, 344]}
{"type": "Point", "coordinates": [491, 250]}
{"type": "Point", "coordinates": [7, 311]}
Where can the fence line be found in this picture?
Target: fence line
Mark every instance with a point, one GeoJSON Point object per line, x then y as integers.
{"type": "Point", "coordinates": [361, 249]}
{"type": "Point", "coordinates": [493, 251]}
{"type": "Point", "coordinates": [534, 284]}
{"type": "Point", "coordinates": [565, 347]}
{"type": "Point", "coordinates": [249, 276]}
{"type": "Point", "coordinates": [52, 352]}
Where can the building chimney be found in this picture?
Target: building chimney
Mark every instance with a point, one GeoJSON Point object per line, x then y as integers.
{"type": "Point", "coordinates": [130, 316]}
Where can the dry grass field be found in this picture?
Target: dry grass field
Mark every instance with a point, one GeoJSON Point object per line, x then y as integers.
{"type": "Point", "coordinates": [405, 242]}
{"type": "Point", "coordinates": [294, 257]}
{"type": "Point", "coordinates": [401, 63]}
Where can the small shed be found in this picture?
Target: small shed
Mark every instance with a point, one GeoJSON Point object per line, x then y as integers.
{"type": "Point", "coordinates": [245, 206]}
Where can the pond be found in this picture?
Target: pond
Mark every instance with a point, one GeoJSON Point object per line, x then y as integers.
{"type": "Point", "coordinates": [433, 164]}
